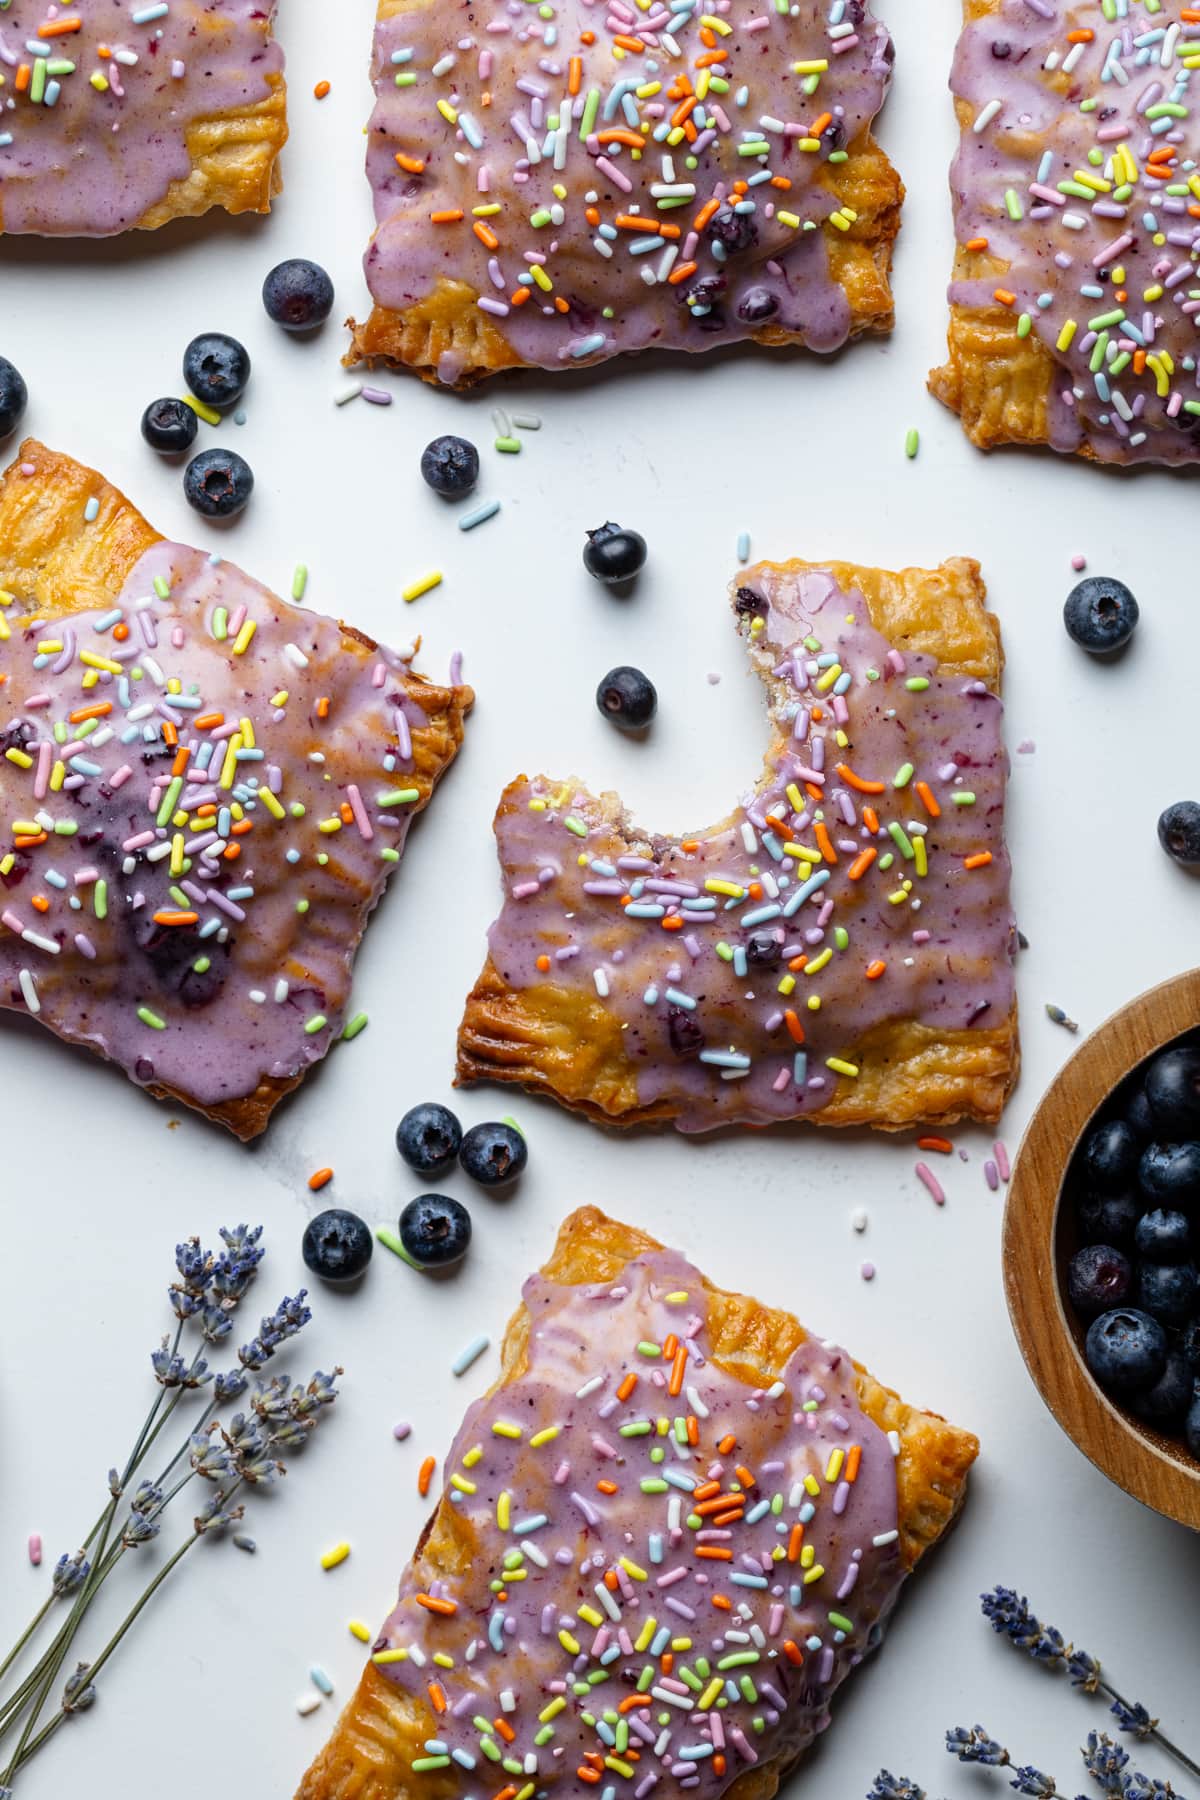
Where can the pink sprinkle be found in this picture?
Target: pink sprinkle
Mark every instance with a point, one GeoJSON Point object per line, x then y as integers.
{"type": "Point", "coordinates": [35, 1549]}
{"type": "Point", "coordinates": [1078, 562]}
{"type": "Point", "coordinates": [365, 828]}
{"type": "Point", "coordinates": [377, 396]}
{"type": "Point", "coordinates": [402, 1431]}
{"type": "Point", "coordinates": [28, 469]}
{"type": "Point", "coordinates": [1002, 1162]}
{"type": "Point", "coordinates": [991, 1174]}
{"type": "Point", "coordinates": [868, 1271]}
{"type": "Point", "coordinates": [931, 1181]}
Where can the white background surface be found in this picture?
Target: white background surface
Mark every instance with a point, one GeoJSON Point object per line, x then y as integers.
{"type": "Point", "coordinates": [97, 1187]}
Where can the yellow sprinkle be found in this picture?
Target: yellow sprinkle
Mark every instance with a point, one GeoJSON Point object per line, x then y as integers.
{"type": "Point", "coordinates": [540, 276]}
{"type": "Point", "coordinates": [92, 661]}
{"type": "Point", "coordinates": [201, 411]}
{"type": "Point", "coordinates": [590, 1616]}
{"type": "Point", "coordinates": [241, 642]}
{"type": "Point", "coordinates": [842, 223]}
{"type": "Point", "coordinates": [473, 1456]}
{"type": "Point", "coordinates": [839, 1067]}
{"type": "Point", "coordinates": [281, 698]}
{"type": "Point", "coordinates": [814, 1574]}
{"type": "Point", "coordinates": [338, 1554]}
{"type": "Point", "coordinates": [358, 1629]}
{"type": "Point", "coordinates": [795, 797]}
{"type": "Point", "coordinates": [722, 27]}
{"type": "Point", "coordinates": [500, 1428]}
{"type": "Point", "coordinates": [814, 1003]}
{"type": "Point", "coordinates": [503, 1509]}
{"type": "Point", "coordinates": [463, 1485]}
{"type": "Point", "coordinates": [729, 888]}
{"type": "Point", "coordinates": [802, 851]}
{"type": "Point", "coordinates": [99, 82]}
{"type": "Point", "coordinates": [58, 775]}
{"type": "Point", "coordinates": [631, 1568]}
{"type": "Point", "coordinates": [787, 985]}
{"type": "Point", "coordinates": [4, 628]}
{"type": "Point", "coordinates": [551, 1710]}
{"type": "Point", "coordinates": [229, 766]}
{"type": "Point", "coordinates": [819, 962]}
{"type": "Point", "coordinates": [177, 853]}
{"type": "Point", "coordinates": [920, 857]}
{"type": "Point", "coordinates": [271, 803]}
{"type": "Point", "coordinates": [678, 1298]}
{"type": "Point", "coordinates": [1066, 336]}
{"type": "Point", "coordinates": [812, 1486]}
{"type": "Point", "coordinates": [834, 1466]}
{"type": "Point", "coordinates": [645, 1635]}
{"type": "Point", "coordinates": [710, 1693]}
{"type": "Point", "coordinates": [329, 826]}
{"type": "Point", "coordinates": [390, 1656]}
{"type": "Point", "coordinates": [807, 1556]}
{"type": "Point", "coordinates": [447, 111]}
{"type": "Point", "coordinates": [247, 730]}
{"type": "Point", "coordinates": [790, 219]}
{"type": "Point", "coordinates": [681, 1644]}
{"type": "Point", "coordinates": [23, 760]}
{"type": "Point", "coordinates": [616, 1765]}
{"type": "Point", "coordinates": [569, 1643]}
{"type": "Point", "coordinates": [543, 1437]}
{"type": "Point", "coordinates": [424, 586]}
{"type": "Point", "coordinates": [1097, 183]}
{"type": "Point", "coordinates": [442, 1660]}
{"type": "Point", "coordinates": [817, 66]}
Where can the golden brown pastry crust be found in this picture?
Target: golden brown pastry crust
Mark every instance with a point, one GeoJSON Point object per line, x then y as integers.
{"type": "Point", "coordinates": [447, 324]}
{"type": "Point", "coordinates": [370, 1754]}
{"type": "Point", "coordinates": [998, 382]}
{"type": "Point", "coordinates": [563, 1041]}
{"type": "Point", "coordinates": [47, 550]}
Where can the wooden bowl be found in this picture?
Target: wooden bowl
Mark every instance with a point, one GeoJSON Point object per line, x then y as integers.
{"type": "Point", "coordinates": [1040, 1238]}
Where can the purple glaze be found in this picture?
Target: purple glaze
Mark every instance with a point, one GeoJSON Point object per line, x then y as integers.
{"type": "Point", "coordinates": [94, 162]}
{"type": "Point", "coordinates": [947, 942]}
{"type": "Point", "coordinates": [802, 1588]}
{"type": "Point", "coordinates": [1137, 237]}
{"type": "Point", "coordinates": [505, 152]}
{"type": "Point", "coordinates": [96, 954]}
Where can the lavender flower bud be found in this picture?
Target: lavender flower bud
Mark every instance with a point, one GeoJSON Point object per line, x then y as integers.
{"type": "Point", "coordinates": [215, 1516]}
{"type": "Point", "coordinates": [70, 1572]}
{"type": "Point", "coordinates": [209, 1458]}
{"type": "Point", "coordinates": [215, 1324]}
{"type": "Point", "coordinates": [271, 1401]}
{"type": "Point", "coordinates": [114, 1484]}
{"type": "Point", "coordinates": [894, 1787]}
{"type": "Point", "coordinates": [320, 1392]}
{"type": "Point", "coordinates": [184, 1305]}
{"type": "Point", "coordinates": [1134, 1719]}
{"type": "Point", "coordinates": [147, 1499]}
{"type": "Point", "coordinates": [975, 1746]}
{"type": "Point", "coordinates": [1032, 1781]}
{"type": "Point", "coordinates": [1084, 1670]}
{"type": "Point", "coordinates": [260, 1471]}
{"type": "Point", "coordinates": [139, 1530]}
{"type": "Point", "coordinates": [230, 1385]}
{"type": "Point", "coordinates": [242, 1243]}
{"type": "Point", "coordinates": [195, 1266]}
{"type": "Point", "coordinates": [1105, 1761]}
{"type": "Point", "coordinates": [292, 1435]}
{"type": "Point", "coordinates": [79, 1693]}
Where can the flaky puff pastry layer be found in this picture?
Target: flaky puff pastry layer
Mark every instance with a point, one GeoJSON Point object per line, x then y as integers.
{"type": "Point", "coordinates": [446, 326]}
{"type": "Point", "coordinates": [382, 1731]}
{"type": "Point", "coordinates": [56, 563]}
{"type": "Point", "coordinates": [565, 1041]}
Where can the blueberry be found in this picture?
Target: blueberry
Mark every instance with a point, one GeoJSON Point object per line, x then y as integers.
{"type": "Point", "coordinates": [1163, 1237]}
{"type": "Point", "coordinates": [1169, 1174]}
{"type": "Point", "coordinates": [1173, 1091]}
{"type": "Point", "coordinates": [170, 426]}
{"type": "Point", "coordinates": [1110, 1154]}
{"type": "Point", "coordinates": [435, 1230]}
{"type": "Point", "coordinates": [1138, 1116]}
{"type": "Point", "coordinates": [450, 466]}
{"type": "Point", "coordinates": [756, 305]}
{"type": "Point", "coordinates": [628, 698]}
{"type": "Point", "coordinates": [337, 1245]}
{"type": "Point", "coordinates": [428, 1138]}
{"type": "Point", "coordinates": [613, 554]}
{"type": "Point", "coordinates": [1189, 1346]}
{"type": "Point", "coordinates": [1109, 1218]}
{"type": "Point", "coordinates": [734, 231]}
{"type": "Point", "coordinates": [1167, 1292]}
{"type": "Point", "coordinates": [1126, 1350]}
{"type": "Point", "coordinates": [1099, 1279]}
{"type": "Point", "coordinates": [1191, 1426]}
{"type": "Point", "coordinates": [1168, 1400]}
{"type": "Point", "coordinates": [493, 1154]}
{"type": "Point", "coordinates": [1100, 614]}
{"type": "Point", "coordinates": [216, 368]}
{"type": "Point", "coordinates": [218, 483]}
{"type": "Point", "coordinates": [14, 397]}
{"type": "Point", "coordinates": [298, 294]}
{"type": "Point", "coordinates": [1179, 832]}
{"type": "Point", "coordinates": [684, 1033]}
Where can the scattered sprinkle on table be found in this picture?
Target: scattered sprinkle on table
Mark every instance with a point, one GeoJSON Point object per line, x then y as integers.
{"type": "Point", "coordinates": [925, 1174]}
{"type": "Point", "coordinates": [319, 1179]}
{"type": "Point", "coordinates": [1059, 1017]}
{"type": "Point", "coordinates": [1078, 562]}
{"type": "Point", "coordinates": [335, 1556]}
{"type": "Point", "coordinates": [425, 1475]}
{"type": "Point", "coordinates": [1000, 1152]}
{"type": "Point", "coordinates": [359, 1629]}
{"type": "Point", "coordinates": [867, 1271]}
{"type": "Point", "coordinates": [424, 585]}
{"type": "Point", "coordinates": [912, 443]}
{"type": "Point", "coordinates": [743, 547]}
{"type": "Point", "coordinates": [351, 391]}
{"type": "Point", "coordinates": [859, 1220]}
{"type": "Point", "coordinates": [479, 515]}
{"type": "Point", "coordinates": [307, 1703]}
{"type": "Point", "coordinates": [470, 1353]}
{"type": "Point", "coordinates": [942, 1146]}
{"type": "Point", "coordinates": [376, 396]}
{"type": "Point", "coordinates": [299, 581]}
{"type": "Point", "coordinates": [320, 1679]}
{"type": "Point", "coordinates": [322, 88]}
{"type": "Point", "coordinates": [401, 1430]}
{"type": "Point", "coordinates": [35, 1549]}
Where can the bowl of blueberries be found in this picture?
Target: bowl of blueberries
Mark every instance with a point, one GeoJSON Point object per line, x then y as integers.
{"type": "Point", "coordinates": [1102, 1248]}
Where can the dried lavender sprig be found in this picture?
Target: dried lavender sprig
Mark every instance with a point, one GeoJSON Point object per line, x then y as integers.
{"type": "Point", "coordinates": [1009, 1615]}
{"type": "Point", "coordinates": [886, 1786]}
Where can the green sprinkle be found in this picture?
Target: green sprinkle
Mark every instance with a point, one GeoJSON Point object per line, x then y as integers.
{"type": "Point", "coordinates": [202, 965]}
{"type": "Point", "coordinates": [100, 899]}
{"type": "Point", "coordinates": [901, 840]}
{"type": "Point", "coordinates": [302, 906]}
{"type": "Point", "coordinates": [1012, 202]}
{"type": "Point", "coordinates": [646, 1348]}
{"type": "Point", "coordinates": [916, 684]}
{"type": "Point", "coordinates": [963, 799]}
{"type": "Point", "coordinates": [220, 624]}
{"type": "Point", "coordinates": [577, 826]}
{"type": "Point", "coordinates": [509, 445]}
{"type": "Point", "coordinates": [650, 1484]}
{"type": "Point", "coordinates": [421, 1764]}
{"type": "Point", "coordinates": [1024, 325]}
{"type": "Point", "coordinates": [398, 797]}
{"type": "Point", "coordinates": [741, 1659]}
{"type": "Point", "coordinates": [903, 776]}
{"type": "Point", "coordinates": [725, 952]}
{"type": "Point", "coordinates": [390, 1241]}
{"type": "Point", "coordinates": [299, 583]}
{"type": "Point", "coordinates": [912, 443]}
{"type": "Point", "coordinates": [318, 1022]}
{"type": "Point", "coordinates": [639, 1428]}
{"type": "Point", "coordinates": [151, 1018]}
{"type": "Point", "coordinates": [388, 854]}
{"type": "Point", "coordinates": [840, 1622]}
{"type": "Point", "coordinates": [162, 587]}
{"type": "Point", "coordinates": [841, 937]}
{"type": "Point", "coordinates": [353, 1026]}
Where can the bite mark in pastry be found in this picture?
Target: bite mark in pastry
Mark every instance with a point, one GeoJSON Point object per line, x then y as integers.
{"type": "Point", "coordinates": [561, 184]}
{"type": "Point", "coordinates": [203, 790]}
{"type": "Point", "coordinates": [666, 1537]}
{"type": "Point", "coordinates": [108, 123]}
{"type": "Point", "coordinates": [839, 949]}
{"type": "Point", "coordinates": [1073, 308]}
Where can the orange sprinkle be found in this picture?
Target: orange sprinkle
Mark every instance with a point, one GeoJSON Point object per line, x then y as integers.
{"type": "Point", "coordinates": [780, 181]}
{"type": "Point", "coordinates": [120, 631]}
{"type": "Point", "coordinates": [797, 963]}
{"type": "Point", "coordinates": [617, 134]}
{"type": "Point", "coordinates": [207, 721]}
{"type": "Point", "coordinates": [705, 1509]}
{"type": "Point", "coordinates": [425, 1476]}
{"type": "Point", "coordinates": [714, 1553]}
{"type": "Point", "coordinates": [726, 1444]}
{"type": "Point", "coordinates": [795, 1541]}
{"type": "Point", "coordinates": [684, 110]}
{"type": "Point", "coordinates": [90, 712]}
{"type": "Point", "coordinates": [170, 735]}
{"type": "Point", "coordinates": [813, 791]}
{"type": "Point", "coordinates": [853, 1461]}
{"type": "Point", "coordinates": [543, 965]}
{"type": "Point", "coordinates": [978, 862]}
{"type": "Point", "coordinates": [710, 58]}
{"type": "Point", "coordinates": [519, 297]}
{"type": "Point", "coordinates": [242, 827]}
{"type": "Point", "coordinates": [629, 43]}
{"type": "Point", "coordinates": [976, 243]}
{"type": "Point", "coordinates": [667, 1661]}
{"type": "Point", "coordinates": [321, 89]}
{"type": "Point", "coordinates": [587, 37]}
{"type": "Point", "coordinates": [690, 844]}
{"type": "Point", "coordinates": [706, 1490]}
{"type": "Point", "coordinates": [862, 863]}
{"type": "Point", "coordinates": [670, 1345]}
{"type": "Point", "coordinates": [942, 1145]}
{"type": "Point", "coordinates": [176, 918]}
{"type": "Point", "coordinates": [681, 272]}
{"type": "Point", "coordinates": [1005, 296]}
{"type": "Point", "coordinates": [182, 758]}
{"type": "Point", "coordinates": [39, 902]}
{"type": "Point", "coordinates": [693, 1430]}
{"type": "Point", "coordinates": [320, 1178]}
{"type": "Point", "coordinates": [59, 27]}
{"type": "Point", "coordinates": [705, 214]}
{"type": "Point", "coordinates": [824, 841]}
{"type": "Point", "coordinates": [679, 1365]}
{"type": "Point", "coordinates": [718, 1763]}
{"type": "Point", "coordinates": [448, 215]}
{"type": "Point", "coordinates": [821, 124]}
{"type": "Point", "coordinates": [591, 1776]}
{"type": "Point", "coordinates": [29, 843]}
{"type": "Point", "coordinates": [719, 1600]}
{"type": "Point", "coordinates": [607, 1487]}
{"type": "Point", "coordinates": [793, 1653]}
{"type": "Point", "coordinates": [627, 1386]}
{"type": "Point", "coordinates": [875, 969]}
{"type": "Point", "coordinates": [856, 781]}
{"type": "Point", "coordinates": [1082, 36]}
{"type": "Point", "coordinates": [731, 1517]}
{"type": "Point", "coordinates": [22, 77]}
{"type": "Point", "coordinates": [870, 818]}
{"type": "Point", "coordinates": [505, 1730]}
{"type": "Point", "coordinates": [672, 924]}
{"type": "Point", "coordinates": [437, 1693]}
{"type": "Point", "coordinates": [610, 1580]}
{"type": "Point", "coordinates": [928, 799]}
{"type": "Point", "coordinates": [412, 165]}
{"type": "Point", "coordinates": [744, 1476]}
{"type": "Point", "coordinates": [431, 1603]}
{"type": "Point", "coordinates": [635, 222]}
{"type": "Point", "coordinates": [794, 1027]}
{"type": "Point", "coordinates": [592, 215]}
{"type": "Point", "coordinates": [485, 234]}
{"type": "Point", "coordinates": [632, 1700]}
{"type": "Point", "coordinates": [574, 74]}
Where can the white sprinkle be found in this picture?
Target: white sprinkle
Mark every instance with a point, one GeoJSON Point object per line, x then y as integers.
{"type": "Point", "coordinates": [307, 1703]}
{"type": "Point", "coordinates": [469, 1354]}
{"type": "Point", "coordinates": [351, 391]}
{"type": "Point", "coordinates": [885, 1538]}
